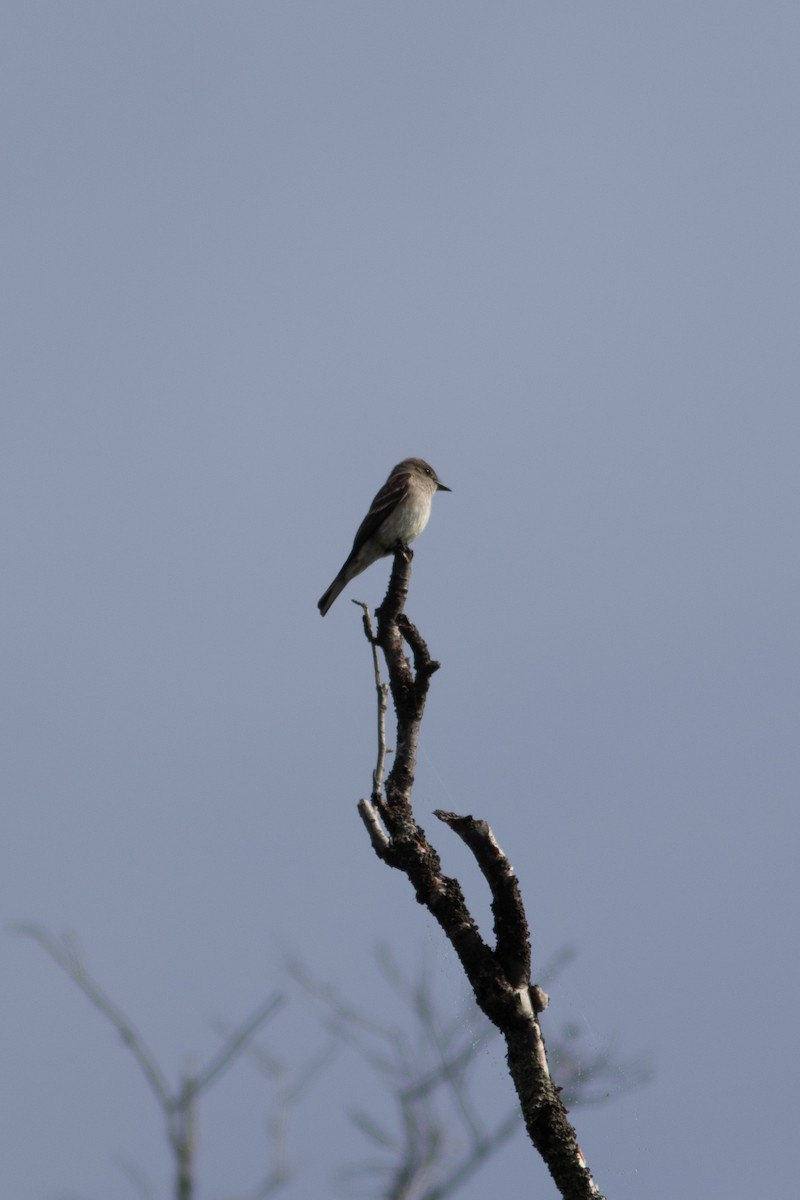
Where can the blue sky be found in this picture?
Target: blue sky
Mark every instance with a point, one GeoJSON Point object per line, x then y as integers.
{"type": "Point", "coordinates": [253, 255]}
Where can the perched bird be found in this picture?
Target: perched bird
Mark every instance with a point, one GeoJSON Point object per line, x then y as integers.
{"type": "Point", "coordinates": [399, 513]}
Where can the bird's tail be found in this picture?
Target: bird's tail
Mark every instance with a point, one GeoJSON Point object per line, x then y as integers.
{"type": "Point", "coordinates": [327, 598]}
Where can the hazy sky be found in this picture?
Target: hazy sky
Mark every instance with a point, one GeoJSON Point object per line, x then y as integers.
{"type": "Point", "coordinates": [253, 255]}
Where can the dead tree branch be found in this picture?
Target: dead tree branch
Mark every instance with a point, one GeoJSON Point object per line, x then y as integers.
{"type": "Point", "coordinates": [500, 976]}
{"type": "Point", "coordinates": [178, 1106]}
{"type": "Point", "coordinates": [443, 1128]}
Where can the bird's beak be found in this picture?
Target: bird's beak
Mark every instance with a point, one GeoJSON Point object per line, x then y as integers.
{"type": "Point", "coordinates": [440, 487]}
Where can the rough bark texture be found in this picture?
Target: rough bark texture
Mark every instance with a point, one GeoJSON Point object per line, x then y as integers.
{"type": "Point", "coordinates": [501, 975]}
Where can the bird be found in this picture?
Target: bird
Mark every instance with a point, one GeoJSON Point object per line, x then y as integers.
{"type": "Point", "coordinates": [399, 513]}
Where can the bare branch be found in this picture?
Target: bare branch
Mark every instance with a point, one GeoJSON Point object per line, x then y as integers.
{"type": "Point", "coordinates": [382, 690]}
{"type": "Point", "coordinates": [513, 948]}
{"type": "Point", "coordinates": [135, 1177]}
{"type": "Point", "coordinates": [68, 957]}
{"type": "Point", "coordinates": [427, 1067]}
{"type": "Point", "coordinates": [369, 814]}
{"type": "Point", "coordinates": [179, 1108]}
{"type": "Point", "coordinates": [500, 976]}
{"type": "Point", "coordinates": [237, 1040]}
{"type": "Point", "coordinates": [478, 1153]}
{"type": "Point", "coordinates": [290, 1085]}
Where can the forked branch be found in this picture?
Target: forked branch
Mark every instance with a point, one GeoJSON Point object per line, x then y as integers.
{"type": "Point", "coordinates": [500, 975]}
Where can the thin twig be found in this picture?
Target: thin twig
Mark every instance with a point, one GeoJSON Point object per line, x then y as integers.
{"type": "Point", "coordinates": [377, 834]}
{"type": "Point", "coordinates": [70, 962]}
{"type": "Point", "coordinates": [382, 690]}
{"type": "Point", "coordinates": [477, 1154]}
{"type": "Point", "coordinates": [237, 1040]}
{"type": "Point", "coordinates": [179, 1108]}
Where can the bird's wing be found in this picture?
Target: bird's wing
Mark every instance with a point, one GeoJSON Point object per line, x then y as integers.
{"type": "Point", "coordinates": [387, 499]}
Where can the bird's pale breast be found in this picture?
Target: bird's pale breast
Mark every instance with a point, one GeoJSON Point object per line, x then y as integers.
{"type": "Point", "coordinates": [406, 522]}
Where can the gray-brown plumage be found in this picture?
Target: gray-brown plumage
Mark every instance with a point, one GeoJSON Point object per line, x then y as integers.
{"type": "Point", "coordinates": [399, 513]}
